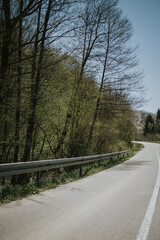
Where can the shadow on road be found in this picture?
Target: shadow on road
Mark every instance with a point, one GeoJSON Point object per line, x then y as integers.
{"type": "Point", "coordinates": [133, 165]}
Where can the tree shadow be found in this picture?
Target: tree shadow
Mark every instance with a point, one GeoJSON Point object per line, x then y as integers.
{"type": "Point", "coordinates": [133, 165]}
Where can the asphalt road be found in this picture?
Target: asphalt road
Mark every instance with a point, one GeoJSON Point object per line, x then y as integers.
{"type": "Point", "coordinates": [110, 205]}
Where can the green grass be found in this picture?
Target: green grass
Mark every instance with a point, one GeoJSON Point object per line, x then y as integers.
{"type": "Point", "coordinates": [52, 179]}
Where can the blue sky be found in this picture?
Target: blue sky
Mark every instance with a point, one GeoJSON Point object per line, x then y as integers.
{"type": "Point", "coordinates": [145, 18]}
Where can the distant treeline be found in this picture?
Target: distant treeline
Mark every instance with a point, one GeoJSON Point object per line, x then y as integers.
{"type": "Point", "coordinates": [151, 129]}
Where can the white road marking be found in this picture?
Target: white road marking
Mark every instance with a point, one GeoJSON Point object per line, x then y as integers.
{"type": "Point", "coordinates": [144, 229]}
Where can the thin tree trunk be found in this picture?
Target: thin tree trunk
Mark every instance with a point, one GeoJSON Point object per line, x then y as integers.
{"type": "Point", "coordinates": [17, 127]}
{"type": "Point", "coordinates": [3, 73]}
{"type": "Point", "coordinates": [6, 44]}
{"type": "Point", "coordinates": [4, 137]}
{"type": "Point", "coordinates": [100, 90]}
{"type": "Point", "coordinates": [34, 97]}
{"type": "Point", "coordinates": [73, 104]}
{"type": "Point", "coordinates": [18, 111]}
{"type": "Point", "coordinates": [34, 94]}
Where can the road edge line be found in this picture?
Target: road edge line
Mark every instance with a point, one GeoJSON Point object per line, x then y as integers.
{"type": "Point", "coordinates": [144, 229]}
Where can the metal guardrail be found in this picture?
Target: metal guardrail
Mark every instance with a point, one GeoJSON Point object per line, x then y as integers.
{"type": "Point", "coordinates": [10, 169]}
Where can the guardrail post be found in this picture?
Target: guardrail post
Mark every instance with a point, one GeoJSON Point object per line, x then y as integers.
{"type": "Point", "coordinates": [3, 181]}
{"type": "Point", "coordinates": [38, 179]}
{"type": "Point", "coordinates": [80, 171]}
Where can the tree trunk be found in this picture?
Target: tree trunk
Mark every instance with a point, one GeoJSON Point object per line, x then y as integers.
{"type": "Point", "coordinates": [3, 72]}
{"type": "Point", "coordinates": [18, 111]}
{"type": "Point", "coordinates": [17, 127]}
{"type": "Point", "coordinates": [34, 97]}
{"type": "Point", "coordinates": [100, 89]}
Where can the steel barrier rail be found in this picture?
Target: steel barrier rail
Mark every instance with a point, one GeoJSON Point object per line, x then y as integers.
{"type": "Point", "coordinates": [10, 169]}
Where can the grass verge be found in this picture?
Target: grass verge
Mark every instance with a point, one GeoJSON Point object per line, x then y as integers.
{"type": "Point", "coordinates": [52, 179]}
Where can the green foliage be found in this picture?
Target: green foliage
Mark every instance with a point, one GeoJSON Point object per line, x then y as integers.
{"type": "Point", "coordinates": [157, 137]}
{"type": "Point", "coordinates": [157, 122]}
{"type": "Point", "coordinates": [13, 192]}
{"type": "Point", "coordinates": [149, 125]}
{"type": "Point", "coordinates": [158, 114]}
{"type": "Point", "coordinates": [151, 130]}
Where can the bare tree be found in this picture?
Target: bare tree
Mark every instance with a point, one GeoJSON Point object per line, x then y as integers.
{"type": "Point", "coordinates": [12, 14]}
{"type": "Point", "coordinates": [88, 32]}
{"type": "Point", "coordinates": [118, 63]}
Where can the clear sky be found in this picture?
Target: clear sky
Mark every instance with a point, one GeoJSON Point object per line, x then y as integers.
{"type": "Point", "coordinates": [145, 18]}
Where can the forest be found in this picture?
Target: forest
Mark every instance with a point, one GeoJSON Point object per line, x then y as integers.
{"type": "Point", "coordinates": [69, 79]}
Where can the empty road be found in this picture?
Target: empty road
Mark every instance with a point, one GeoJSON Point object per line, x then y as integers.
{"type": "Point", "coordinates": [120, 203]}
